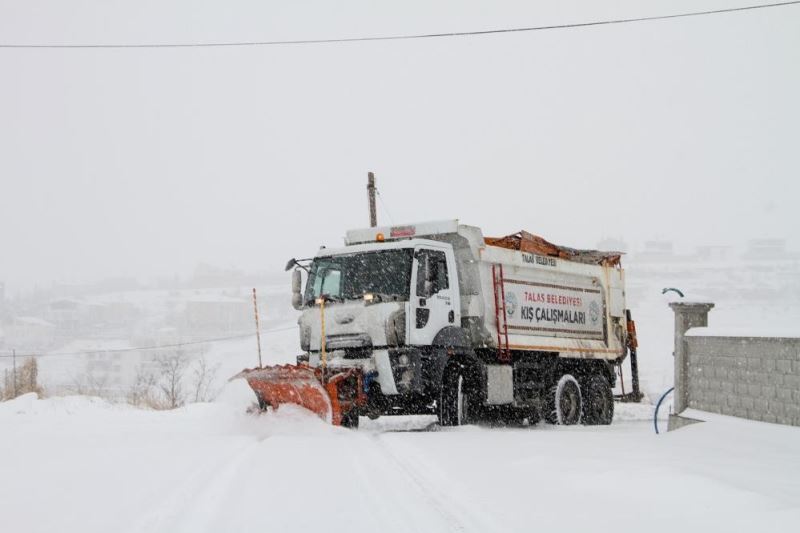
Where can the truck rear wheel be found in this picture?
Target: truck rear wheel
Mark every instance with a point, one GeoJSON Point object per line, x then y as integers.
{"type": "Point", "coordinates": [598, 402]}
{"type": "Point", "coordinates": [563, 404]}
{"type": "Point", "coordinates": [455, 402]}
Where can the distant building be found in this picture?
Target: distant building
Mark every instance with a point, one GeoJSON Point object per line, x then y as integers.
{"type": "Point", "coordinates": [712, 252]}
{"type": "Point", "coordinates": [208, 276]}
{"type": "Point", "coordinates": [116, 313]}
{"type": "Point", "coordinates": [77, 317]}
{"type": "Point", "coordinates": [106, 367]}
{"type": "Point", "coordinates": [66, 313]}
{"type": "Point", "coordinates": [656, 251]}
{"type": "Point", "coordinates": [218, 313]}
{"type": "Point", "coordinates": [658, 247]}
{"type": "Point", "coordinates": [766, 249]}
{"type": "Point", "coordinates": [30, 332]}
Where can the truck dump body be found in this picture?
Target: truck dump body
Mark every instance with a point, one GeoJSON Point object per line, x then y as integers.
{"type": "Point", "coordinates": [554, 304]}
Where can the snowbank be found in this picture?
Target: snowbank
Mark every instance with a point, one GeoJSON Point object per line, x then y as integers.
{"type": "Point", "coordinates": [30, 404]}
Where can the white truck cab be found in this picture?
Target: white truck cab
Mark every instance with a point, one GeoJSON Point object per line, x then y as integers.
{"type": "Point", "coordinates": [438, 319]}
{"type": "Point", "coordinates": [379, 296]}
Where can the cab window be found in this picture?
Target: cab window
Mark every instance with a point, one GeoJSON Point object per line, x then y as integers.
{"type": "Point", "coordinates": [328, 282]}
{"type": "Point", "coordinates": [438, 265]}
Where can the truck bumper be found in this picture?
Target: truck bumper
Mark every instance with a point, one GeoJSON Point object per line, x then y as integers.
{"type": "Point", "coordinates": [399, 371]}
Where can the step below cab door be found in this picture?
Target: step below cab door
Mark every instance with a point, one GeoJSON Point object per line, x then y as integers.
{"type": "Point", "coordinates": [435, 300]}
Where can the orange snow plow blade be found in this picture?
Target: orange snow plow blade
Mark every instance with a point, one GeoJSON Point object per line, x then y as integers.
{"type": "Point", "coordinates": [332, 398]}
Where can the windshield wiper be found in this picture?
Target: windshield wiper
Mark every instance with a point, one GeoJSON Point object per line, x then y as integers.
{"type": "Point", "coordinates": [328, 298]}
{"type": "Point", "coordinates": [385, 297]}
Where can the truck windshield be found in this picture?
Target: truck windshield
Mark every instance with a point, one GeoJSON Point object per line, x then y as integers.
{"type": "Point", "coordinates": [385, 274]}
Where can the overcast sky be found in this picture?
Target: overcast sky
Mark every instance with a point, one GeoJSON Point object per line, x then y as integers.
{"type": "Point", "coordinates": [145, 162]}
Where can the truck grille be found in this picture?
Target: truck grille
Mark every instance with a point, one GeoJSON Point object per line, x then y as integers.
{"type": "Point", "coordinates": [349, 342]}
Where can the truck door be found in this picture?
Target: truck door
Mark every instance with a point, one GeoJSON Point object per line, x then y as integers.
{"type": "Point", "coordinates": [435, 300]}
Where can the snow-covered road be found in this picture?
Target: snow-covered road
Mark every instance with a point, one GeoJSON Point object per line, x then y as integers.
{"type": "Point", "coordinates": [81, 465]}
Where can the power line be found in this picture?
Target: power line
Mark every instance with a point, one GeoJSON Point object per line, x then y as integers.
{"type": "Point", "coordinates": [146, 348]}
{"type": "Point", "coordinates": [409, 36]}
{"type": "Point", "coordinates": [391, 219]}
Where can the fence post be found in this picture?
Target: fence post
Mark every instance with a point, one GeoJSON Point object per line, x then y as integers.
{"type": "Point", "coordinates": [687, 315]}
{"type": "Point", "coordinates": [14, 352]}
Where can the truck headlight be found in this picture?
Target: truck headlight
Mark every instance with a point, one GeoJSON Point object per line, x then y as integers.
{"type": "Point", "coordinates": [396, 328]}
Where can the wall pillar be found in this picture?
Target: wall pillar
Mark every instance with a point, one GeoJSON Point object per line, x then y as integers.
{"type": "Point", "coordinates": [687, 315]}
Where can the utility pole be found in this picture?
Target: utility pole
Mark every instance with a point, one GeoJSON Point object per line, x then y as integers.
{"type": "Point", "coordinates": [373, 215]}
{"type": "Point", "coordinates": [14, 357]}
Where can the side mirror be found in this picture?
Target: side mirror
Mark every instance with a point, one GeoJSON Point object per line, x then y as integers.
{"type": "Point", "coordinates": [292, 262]}
{"type": "Point", "coordinates": [297, 282]}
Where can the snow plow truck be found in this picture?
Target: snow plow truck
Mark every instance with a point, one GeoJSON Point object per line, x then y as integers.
{"type": "Point", "coordinates": [434, 318]}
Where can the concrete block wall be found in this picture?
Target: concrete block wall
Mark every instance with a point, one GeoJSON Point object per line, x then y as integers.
{"type": "Point", "coordinates": [746, 376]}
{"type": "Point", "coordinates": [749, 377]}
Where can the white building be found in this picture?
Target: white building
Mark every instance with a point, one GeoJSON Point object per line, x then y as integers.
{"type": "Point", "coordinates": [31, 333]}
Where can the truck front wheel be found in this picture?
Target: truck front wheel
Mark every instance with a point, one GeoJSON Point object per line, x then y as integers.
{"type": "Point", "coordinates": [563, 404]}
{"type": "Point", "coordinates": [455, 402]}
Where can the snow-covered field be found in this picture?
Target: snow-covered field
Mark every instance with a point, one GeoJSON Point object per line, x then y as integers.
{"type": "Point", "coordinates": [75, 464]}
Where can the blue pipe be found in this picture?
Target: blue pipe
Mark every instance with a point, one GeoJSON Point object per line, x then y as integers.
{"type": "Point", "coordinates": [678, 291]}
{"type": "Point", "coordinates": [658, 405]}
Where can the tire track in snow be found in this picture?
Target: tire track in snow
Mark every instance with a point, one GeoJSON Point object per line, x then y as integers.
{"type": "Point", "coordinates": [451, 505]}
{"type": "Point", "coordinates": [383, 507]}
{"type": "Point", "coordinates": [178, 511]}
{"type": "Point", "coordinates": [205, 508]}
{"type": "Point", "coordinates": [404, 481]}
